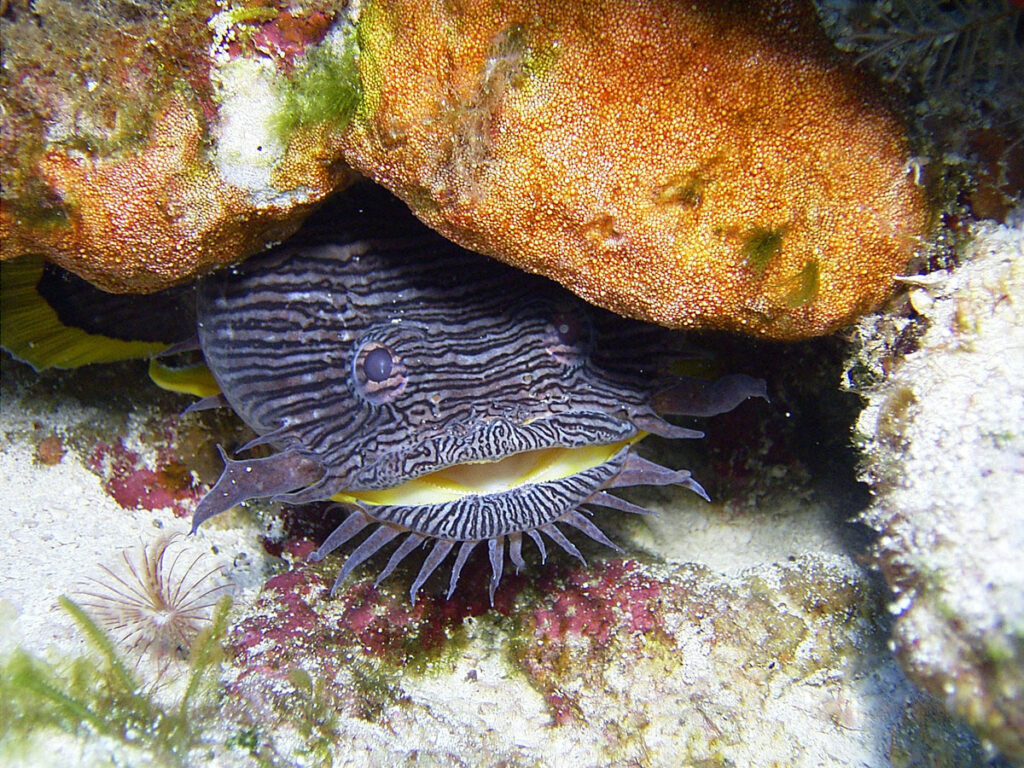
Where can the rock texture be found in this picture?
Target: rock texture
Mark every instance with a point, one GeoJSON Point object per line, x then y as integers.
{"type": "Point", "coordinates": [741, 632]}
{"type": "Point", "coordinates": [945, 455]}
{"type": "Point", "coordinates": [144, 143]}
{"type": "Point", "coordinates": [717, 167]}
{"type": "Point", "coordinates": [691, 165]}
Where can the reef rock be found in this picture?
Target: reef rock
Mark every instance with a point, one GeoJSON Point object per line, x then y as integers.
{"type": "Point", "coordinates": [697, 166]}
{"type": "Point", "coordinates": [637, 664]}
{"type": "Point", "coordinates": [946, 459]}
{"type": "Point", "coordinates": [143, 143]}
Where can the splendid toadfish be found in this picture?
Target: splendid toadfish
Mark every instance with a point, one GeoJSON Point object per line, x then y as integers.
{"type": "Point", "coordinates": [450, 401]}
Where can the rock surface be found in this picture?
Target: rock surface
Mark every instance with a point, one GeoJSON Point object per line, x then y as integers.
{"type": "Point", "coordinates": [167, 143]}
{"type": "Point", "coordinates": [692, 165]}
{"type": "Point", "coordinates": [945, 456]}
{"type": "Point", "coordinates": [721, 167]}
{"type": "Point", "coordinates": [747, 631]}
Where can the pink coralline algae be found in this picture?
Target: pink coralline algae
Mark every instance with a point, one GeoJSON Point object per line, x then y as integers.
{"type": "Point", "coordinates": [287, 625]}
{"type": "Point", "coordinates": [136, 484]}
{"type": "Point", "coordinates": [283, 36]}
{"type": "Point", "coordinates": [298, 617]}
{"type": "Point", "coordinates": [362, 635]}
{"type": "Point", "coordinates": [596, 604]}
{"type": "Point", "coordinates": [614, 612]}
{"type": "Point", "coordinates": [386, 625]}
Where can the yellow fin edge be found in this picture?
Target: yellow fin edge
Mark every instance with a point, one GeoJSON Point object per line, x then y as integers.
{"type": "Point", "coordinates": [189, 380]}
{"type": "Point", "coordinates": [31, 330]}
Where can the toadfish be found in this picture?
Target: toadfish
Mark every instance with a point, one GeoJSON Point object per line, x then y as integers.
{"type": "Point", "coordinates": [450, 401]}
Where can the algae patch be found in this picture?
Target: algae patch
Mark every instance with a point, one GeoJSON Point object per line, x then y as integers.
{"type": "Point", "coordinates": [100, 695]}
{"type": "Point", "coordinates": [761, 247]}
{"type": "Point", "coordinates": [325, 89]}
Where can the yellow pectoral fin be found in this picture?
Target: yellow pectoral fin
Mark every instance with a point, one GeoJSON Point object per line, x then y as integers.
{"type": "Point", "coordinates": [190, 380]}
{"type": "Point", "coordinates": [31, 330]}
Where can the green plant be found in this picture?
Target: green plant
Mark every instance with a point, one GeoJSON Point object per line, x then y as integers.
{"type": "Point", "coordinates": [101, 695]}
{"type": "Point", "coordinates": [316, 715]}
{"type": "Point", "coordinates": [325, 89]}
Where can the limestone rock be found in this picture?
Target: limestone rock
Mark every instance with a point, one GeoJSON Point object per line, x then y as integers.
{"type": "Point", "coordinates": [144, 143]}
{"type": "Point", "coordinates": [945, 455]}
{"type": "Point", "coordinates": [717, 166]}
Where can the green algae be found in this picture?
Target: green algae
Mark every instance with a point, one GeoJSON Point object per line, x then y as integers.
{"type": "Point", "coordinates": [258, 14]}
{"type": "Point", "coordinates": [247, 740]}
{"type": "Point", "coordinates": [377, 686]}
{"type": "Point", "coordinates": [803, 286]}
{"type": "Point", "coordinates": [752, 619]}
{"type": "Point", "coordinates": [34, 203]}
{"type": "Point", "coordinates": [519, 58]}
{"type": "Point", "coordinates": [686, 190]}
{"type": "Point", "coordinates": [421, 199]}
{"type": "Point", "coordinates": [762, 246]}
{"type": "Point", "coordinates": [325, 90]}
{"type": "Point", "coordinates": [315, 715]}
{"type": "Point", "coordinates": [539, 60]}
{"type": "Point", "coordinates": [100, 695]}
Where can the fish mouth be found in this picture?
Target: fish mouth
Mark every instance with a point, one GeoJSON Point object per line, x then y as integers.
{"type": "Point", "coordinates": [484, 477]}
{"type": "Point", "coordinates": [531, 495]}
{"type": "Point", "coordinates": [493, 454]}
{"type": "Point", "coordinates": [493, 485]}
{"type": "Point", "coordinates": [500, 455]}
{"type": "Point", "coordinates": [496, 502]}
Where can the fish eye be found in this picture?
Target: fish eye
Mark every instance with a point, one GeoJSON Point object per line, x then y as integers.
{"type": "Point", "coordinates": [569, 335]}
{"type": "Point", "coordinates": [569, 327]}
{"type": "Point", "coordinates": [377, 364]}
{"type": "Point", "coordinates": [378, 373]}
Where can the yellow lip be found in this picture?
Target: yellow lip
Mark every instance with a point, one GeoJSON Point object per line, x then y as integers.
{"type": "Point", "coordinates": [483, 478]}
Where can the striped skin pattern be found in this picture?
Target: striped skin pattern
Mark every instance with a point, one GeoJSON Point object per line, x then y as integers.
{"type": "Point", "coordinates": [374, 352]}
